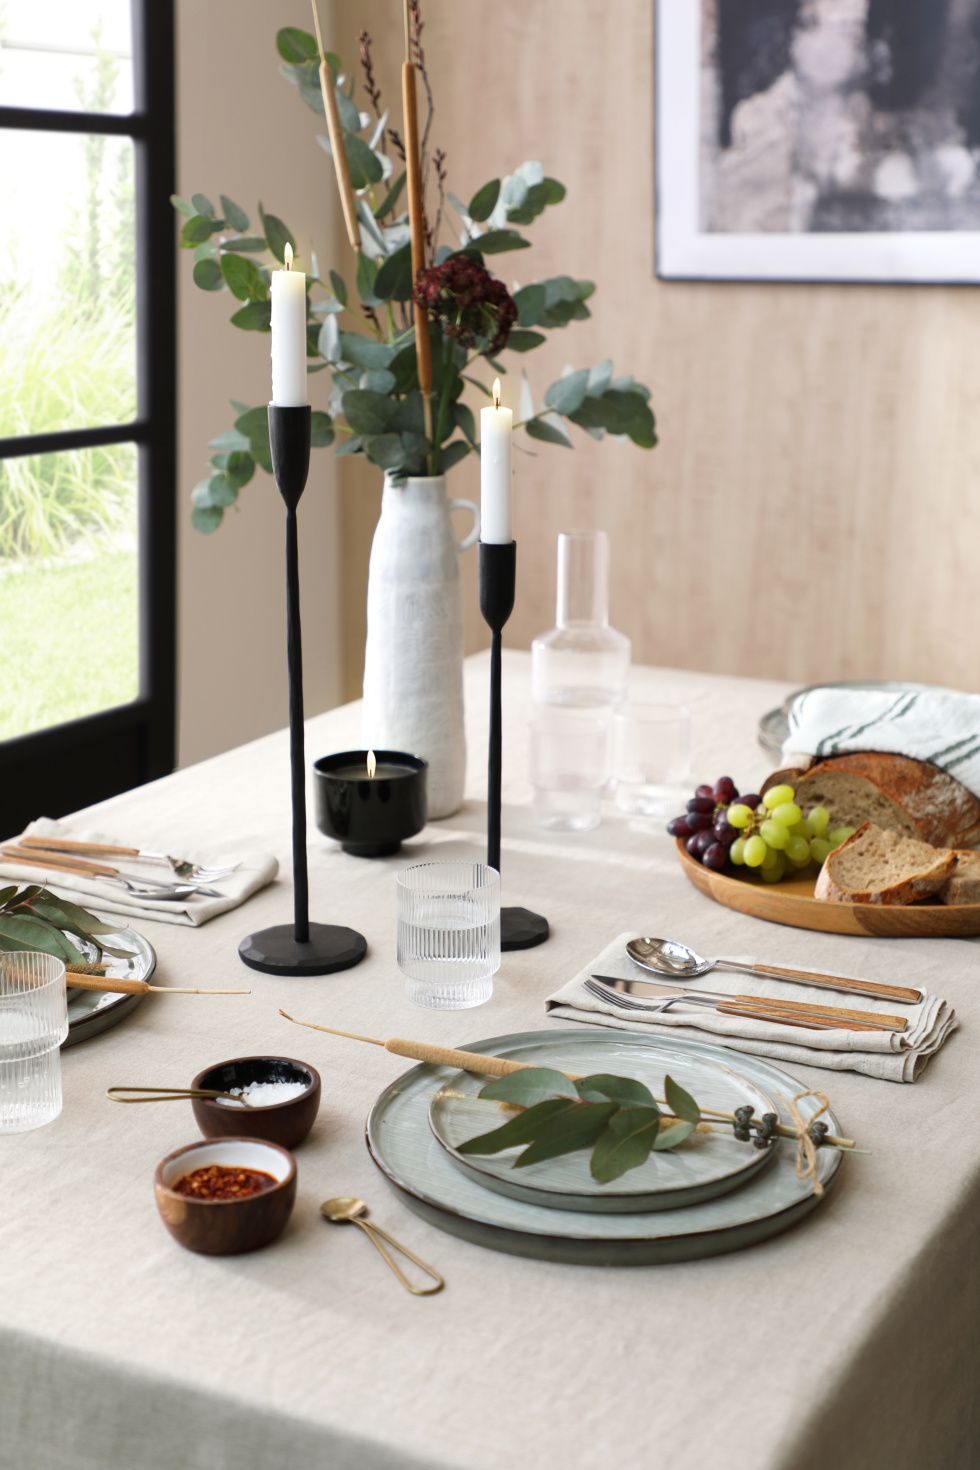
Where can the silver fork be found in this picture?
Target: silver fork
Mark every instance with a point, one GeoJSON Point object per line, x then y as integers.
{"type": "Point", "coordinates": [64, 849]}
{"type": "Point", "coordinates": [160, 891]}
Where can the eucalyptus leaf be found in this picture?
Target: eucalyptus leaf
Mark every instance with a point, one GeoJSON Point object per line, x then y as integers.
{"type": "Point", "coordinates": [197, 229]}
{"type": "Point", "coordinates": [495, 242]}
{"type": "Point", "coordinates": [366, 412]}
{"type": "Point", "coordinates": [221, 491]}
{"type": "Point", "coordinates": [350, 119]}
{"type": "Point", "coordinates": [671, 1134]}
{"type": "Point", "coordinates": [523, 341]}
{"type": "Point", "coordinates": [386, 451]}
{"type": "Point", "coordinates": [328, 341]}
{"type": "Point", "coordinates": [203, 205]}
{"type": "Point", "coordinates": [206, 518]}
{"type": "Point", "coordinates": [28, 932]}
{"type": "Point", "coordinates": [547, 431]}
{"type": "Point", "coordinates": [249, 244]}
{"type": "Point", "coordinates": [391, 198]}
{"type": "Point", "coordinates": [681, 1102]}
{"type": "Point", "coordinates": [229, 441]}
{"type": "Point", "coordinates": [481, 205]}
{"type": "Point", "coordinates": [625, 1144]}
{"type": "Point", "coordinates": [207, 275]}
{"type": "Point", "coordinates": [66, 915]}
{"type": "Point", "coordinates": [339, 287]}
{"type": "Point", "coordinates": [239, 467]}
{"type": "Point", "coordinates": [516, 1131]}
{"type": "Point", "coordinates": [568, 393]}
{"type": "Point", "coordinates": [528, 1086]}
{"type": "Point", "coordinates": [378, 380]}
{"type": "Point", "coordinates": [182, 206]}
{"type": "Point", "coordinates": [394, 280]}
{"type": "Point", "coordinates": [321, 429]}
{"type": "Point", "coordinates": [365, 352]}
{"type": "Point", "coordinates": [367, 271]}
{"type": "Point", "coordinates": [537, 197]}
{"type": "Point", "coordinates": [254, 424]}
{"type": "Point", "coordinates": [615, 1089]}
{"type": "Point", "coordinates": [577, 1126]}
{"type": "Point", "coordinates": [277, 235]}
{"type": "Point", "coordinates": [254, 316]}
{"type": "Point", "coordinates": [452, 454]}
{"type": "Point", "coordinates": [295, 45]}
{"type": "Point", "coordinates": [466, 421]}
{"type": "Point", "coordinates": [243, 278]}
{"type": "Point", "coordinates": [234, 214]}
{"type": "Point", "coordinates": [364, 164]}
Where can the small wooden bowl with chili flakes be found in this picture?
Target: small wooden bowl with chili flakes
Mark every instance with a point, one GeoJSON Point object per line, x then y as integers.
{"type": "Point", "coordinates": [221, 1197]}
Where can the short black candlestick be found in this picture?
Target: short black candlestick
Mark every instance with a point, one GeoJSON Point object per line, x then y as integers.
{"type": "Point", "coordinates": [519, 927]}
{"type": "Point", "coordinates": [301, 948]}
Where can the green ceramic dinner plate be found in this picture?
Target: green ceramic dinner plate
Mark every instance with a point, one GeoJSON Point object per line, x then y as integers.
{"type": "Point", "coordinates": [430, 1183]}
{"type": "Point", "coordinates": [93, 1011]}
{"type": "Point", "coordinates": [708, 1164]}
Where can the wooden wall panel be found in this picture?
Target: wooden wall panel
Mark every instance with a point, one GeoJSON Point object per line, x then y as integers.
{"type": "Point", "coordinates": [813, 509]}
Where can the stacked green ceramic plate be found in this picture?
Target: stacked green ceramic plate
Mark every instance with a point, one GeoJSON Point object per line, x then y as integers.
{"type": "Point", "coordinates": [711, 1196]}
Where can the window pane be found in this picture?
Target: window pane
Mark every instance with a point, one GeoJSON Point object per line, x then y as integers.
{"type": "Point", "coordinates": [69, 586]}
{"type": "Point", "coordinates": [72, 55]}
{"type": "Point", "coordinates": [67, 282]}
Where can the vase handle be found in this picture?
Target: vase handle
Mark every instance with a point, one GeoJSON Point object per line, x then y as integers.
{"type": "Point", "coordinates": [474, 535]}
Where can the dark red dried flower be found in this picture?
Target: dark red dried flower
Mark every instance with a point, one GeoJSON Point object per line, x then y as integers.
{"type": "Point", "coordinates": [470, 304]}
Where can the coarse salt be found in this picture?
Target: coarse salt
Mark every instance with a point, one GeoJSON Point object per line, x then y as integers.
{"type": "Point", "coordinates": [264, 1094]}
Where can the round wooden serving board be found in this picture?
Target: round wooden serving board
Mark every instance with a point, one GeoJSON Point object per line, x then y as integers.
{"type": "Point", "coordinates": [792, 902]}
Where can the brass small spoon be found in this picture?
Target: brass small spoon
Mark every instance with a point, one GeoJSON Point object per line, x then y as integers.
{"type": "Point", "coordinates": [172, 1094]}
{"type": "Point", "coordinates": [346, 1210]}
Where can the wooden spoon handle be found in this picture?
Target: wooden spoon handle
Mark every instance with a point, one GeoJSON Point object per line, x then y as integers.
{"type": "Point", "coordinates": [67, 844]}
{"type": "Point", "coordinates": [880, 991]}
{"type": "Point", "coordinates": [58, 863]}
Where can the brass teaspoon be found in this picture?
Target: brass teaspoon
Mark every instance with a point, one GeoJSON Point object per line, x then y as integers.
{"type": "Point", "coordinates": [347, 1210]}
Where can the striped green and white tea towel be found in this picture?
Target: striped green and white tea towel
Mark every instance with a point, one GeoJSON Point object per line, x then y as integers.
{"type": "Point", "coordinates": [941, 726]}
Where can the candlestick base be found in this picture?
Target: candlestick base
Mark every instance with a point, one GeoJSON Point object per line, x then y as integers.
{"type": "Point", "coordinates": [276, 951]}
{"type": "Point", "coordinates": [522, 929]}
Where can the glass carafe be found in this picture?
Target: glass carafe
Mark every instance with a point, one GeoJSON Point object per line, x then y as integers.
{"type": "Point", "coordinates": [583, 662]}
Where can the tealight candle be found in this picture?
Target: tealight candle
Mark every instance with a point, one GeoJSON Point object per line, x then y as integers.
{"type": "Point", "coordinates": [370, 801]}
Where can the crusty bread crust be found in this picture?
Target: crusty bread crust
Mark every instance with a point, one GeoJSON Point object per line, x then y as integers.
{"type": "Point", "coordinates": [963, 884]}
{"type": "Point", "coordinates": [922, 882]}
{"type": "Point", "coordinates": [937, 808]}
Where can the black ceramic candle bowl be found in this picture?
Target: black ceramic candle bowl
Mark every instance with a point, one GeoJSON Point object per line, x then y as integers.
{"type": "Point", "coordinates": [370, 816]}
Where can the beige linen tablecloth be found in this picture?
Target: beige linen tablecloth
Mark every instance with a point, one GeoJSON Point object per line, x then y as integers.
{"type": "Point", "coordinates": [850, 1341]}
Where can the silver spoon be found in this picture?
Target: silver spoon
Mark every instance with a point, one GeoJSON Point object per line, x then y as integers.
{"type": "Point", "coordinates": [348, 1210]}
{"type": "Point", "coordinates": [670, 957]}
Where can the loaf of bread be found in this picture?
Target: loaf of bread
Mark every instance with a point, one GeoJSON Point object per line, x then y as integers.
{"type": "Point", "coordinates": [911, 797]}
{"type": "Point", "coordinates": [963, 884]}
{"type": "Point", "coordinates": [879, 866]}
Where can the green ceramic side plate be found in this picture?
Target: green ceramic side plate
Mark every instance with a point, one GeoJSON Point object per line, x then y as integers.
{"type": "Point", "coordinates": [93, 1011]}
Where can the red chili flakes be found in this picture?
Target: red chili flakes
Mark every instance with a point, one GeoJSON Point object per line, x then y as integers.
{"type": "Point", "coordinates": [216, 1181]}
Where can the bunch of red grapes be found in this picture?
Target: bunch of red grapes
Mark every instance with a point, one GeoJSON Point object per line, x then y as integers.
{"type": "Point", "coordinates": [705, 825]}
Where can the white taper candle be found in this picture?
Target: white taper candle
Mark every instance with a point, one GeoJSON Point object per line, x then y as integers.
{"type": "Point", "coordinates": [288, 294]}
{"type": "Point", "coordinates": [496, 424]}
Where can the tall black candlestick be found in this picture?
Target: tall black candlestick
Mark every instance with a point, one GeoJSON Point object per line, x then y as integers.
{"type": "Point", "coordinates": [520, 928]}
{"type": "Point", "coordinates": [301, 948]}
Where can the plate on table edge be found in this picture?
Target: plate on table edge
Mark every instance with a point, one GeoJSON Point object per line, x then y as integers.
{"type": "Point", "coordinates": [768, 1204]}
{"type": "Point", "coordinates": [792, 902]}
{"type": "Point", "coordinates": [557, 1184]}
{"type": "Point", "coordinates": [774, 725]}
{"type": "Point", "coordinates": [93, 1011]}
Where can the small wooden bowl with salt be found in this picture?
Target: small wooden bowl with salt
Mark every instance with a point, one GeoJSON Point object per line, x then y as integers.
{"type": "Point", "coordinates": [281, 1098]}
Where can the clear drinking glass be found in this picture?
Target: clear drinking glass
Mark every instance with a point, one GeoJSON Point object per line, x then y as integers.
{"type": "Point", "coordinates": [651, 757]}
{"type": "Point", "coordinates": [569, 765]}
{"type": "Point", "coordinates": [33, 1024]}
{"type": "Point", "coordinates": [449, 933]}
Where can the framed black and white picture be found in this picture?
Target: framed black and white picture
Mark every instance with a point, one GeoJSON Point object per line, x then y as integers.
{"type": "Point", "coordinates": [818, 140]}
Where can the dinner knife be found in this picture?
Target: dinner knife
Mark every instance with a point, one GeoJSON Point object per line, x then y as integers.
{"type": "Point", "coordinates": [800, 1012]}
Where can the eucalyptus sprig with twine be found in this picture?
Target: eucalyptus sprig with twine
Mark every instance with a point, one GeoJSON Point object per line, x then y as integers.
{"type": "Point", "coordinates": [33, 918]}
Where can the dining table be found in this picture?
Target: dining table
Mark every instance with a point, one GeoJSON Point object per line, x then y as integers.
{"type": "Point", "coordinates": [850, 1340]}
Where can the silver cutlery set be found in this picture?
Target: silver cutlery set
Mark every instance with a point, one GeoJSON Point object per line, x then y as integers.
{"type": "Point", "coordinates": [88, 860]}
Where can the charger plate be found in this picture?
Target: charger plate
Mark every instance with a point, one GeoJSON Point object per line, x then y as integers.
{"type": "Point", "coordinates": [428, 1182]}
{"type": "Point", "coordinates": [93, 1011]}
{"type": "Point", "coordinates": [792, 902]}
{"type": "Point", "coordinates": [708, 1165]}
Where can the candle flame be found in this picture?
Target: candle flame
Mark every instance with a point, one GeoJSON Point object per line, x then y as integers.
{"type": "Point", "coordinates": [288, 255]}
{"type": "Point", "coordinates": [372, 764]}
{"type": "Point", "coordinates": [496, 392]}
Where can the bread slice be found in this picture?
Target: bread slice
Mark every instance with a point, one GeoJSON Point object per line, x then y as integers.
{"type": "Point", "coordinates": [877, 866]}
{"type": "Point", "coordinates": [896, 792]}
{"type": "Point", "coordinates": [963, 884]}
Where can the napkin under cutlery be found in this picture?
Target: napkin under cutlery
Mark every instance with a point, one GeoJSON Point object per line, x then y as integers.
{"type": "Point", "coordinates": [892, 1056]}
{"type": "Point", "coordinates": [254, 871]}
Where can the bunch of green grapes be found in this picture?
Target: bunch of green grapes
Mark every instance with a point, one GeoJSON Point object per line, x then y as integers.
{"type": "Point", "coordinates": [775, 836]}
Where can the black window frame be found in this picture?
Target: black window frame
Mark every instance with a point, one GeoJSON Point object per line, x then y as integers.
{"type": "Point", "coordinates": [64, 767]}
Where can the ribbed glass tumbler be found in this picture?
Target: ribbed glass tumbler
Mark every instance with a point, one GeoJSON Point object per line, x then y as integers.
{"type": "Point", "coordinates": [33, 1024]}
{"type": "Point", "coordinates": [449, 933]}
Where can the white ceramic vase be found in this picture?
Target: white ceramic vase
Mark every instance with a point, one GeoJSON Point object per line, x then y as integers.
{"type": "Point", "coordinates": [413, 663]}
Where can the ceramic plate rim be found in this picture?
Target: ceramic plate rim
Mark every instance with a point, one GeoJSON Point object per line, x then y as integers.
{"type": "Point", "coordinates": [121, 1005]}
{"type": "Point", "coordinates": [750, 1166]}
{"type": "Point", "coordinates": [567, 1239]}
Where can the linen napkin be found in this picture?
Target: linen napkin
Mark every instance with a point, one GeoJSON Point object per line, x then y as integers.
{"type": "Point", "coordinates": [937, 725]}
{"type": "Point", "coordinates": [255, 870]}
{"type": "Point", "coordinates": [890, 1055]}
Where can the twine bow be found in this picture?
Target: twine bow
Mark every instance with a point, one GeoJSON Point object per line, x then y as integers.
{"type": "Point", "coordinates": [806, 1149]}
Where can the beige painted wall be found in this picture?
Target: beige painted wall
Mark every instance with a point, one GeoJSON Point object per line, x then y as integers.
{"type": "Point", "coordinates": [242, 131]}
{"type": "Point", "coordinates": [813, 509]}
